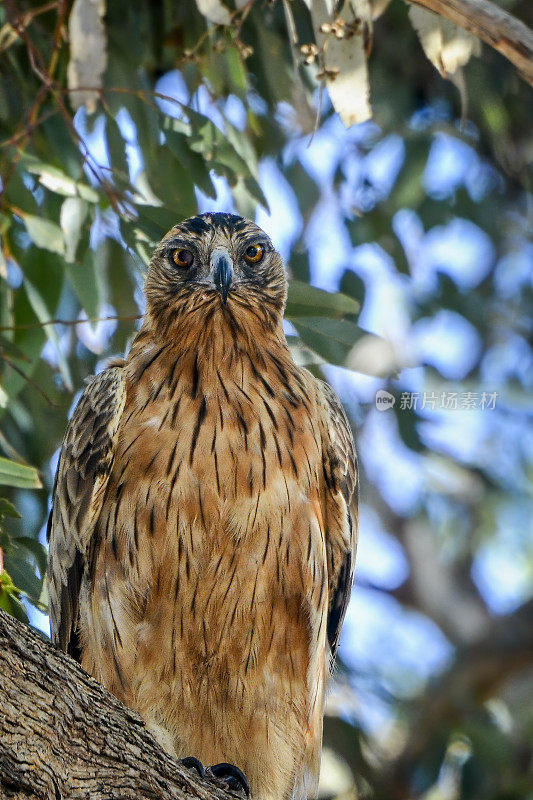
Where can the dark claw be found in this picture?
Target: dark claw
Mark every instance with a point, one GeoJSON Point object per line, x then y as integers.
{"type": "Point", "coordinates": [226, 776]}
{"type": "Point", "coordinates": [233, 777]}
{"type": "Point", "coordinates": [192, 763]}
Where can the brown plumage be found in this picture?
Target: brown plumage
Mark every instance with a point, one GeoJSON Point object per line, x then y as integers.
{"type": "Point", "coordinates": [203, 529]}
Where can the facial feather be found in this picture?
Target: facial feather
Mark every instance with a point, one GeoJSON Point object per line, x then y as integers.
{"type": "Point", "coordinates": [181, 298]}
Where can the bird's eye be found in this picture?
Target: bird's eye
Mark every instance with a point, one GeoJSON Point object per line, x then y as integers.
{"type": "Point", "coordinates": [254, 253]}
{"type": "Point", "coordinates": [182, 258]}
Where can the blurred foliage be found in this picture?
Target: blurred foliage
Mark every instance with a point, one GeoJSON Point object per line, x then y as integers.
{"type": "Point", "coordinates": [19, 555]}
{"type": "Point", "coordinates": [80, 213]}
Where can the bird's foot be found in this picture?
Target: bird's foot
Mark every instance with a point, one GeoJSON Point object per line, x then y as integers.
{"type": "Point", "coordinates": [192, 763]}
{"type": "Point", "coordinates": [225, 776]}
{"type": "Point", "coordinates": [231, 777]}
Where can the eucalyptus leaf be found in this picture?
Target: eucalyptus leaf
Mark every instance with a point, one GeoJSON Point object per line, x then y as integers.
{"type": "Point", "coordinates": [330, 338]}
{"type": "Point", "coordinates": [305, 300]}
{"type": "Point", "coordinates": [24, 579]}
{"type": "Point", "coordinates": [221, 153]}
{"type": "Point", "coordinates": [29, 341]}
{"type": "Point", "coordinates": [336, 341]}
{"type": "Point", "coordinates": [73, 213]}
{"type": "Point", "coordinates": [192, 161]}
{"type": "Point", "coordinates": [39, 306]}
{"type": "Point", "coordinates": [117, 149]}
{"type": "Point", "coordinates": [87, 283]}
{"type": "Point", "coordinates": [7, 509]}
{"type": "Point", "coordinates": [45, 233]}
{"type": "Point", "coordinates": [20, 475]}
{"type": "Point", "coordinates": [35, 548]}
{"type": "Point", "coordinates": [11, 349]}
{"type": "Point", "coordinates": [9, 601]}
{"type": "Point", "coordinates": [56, 180]}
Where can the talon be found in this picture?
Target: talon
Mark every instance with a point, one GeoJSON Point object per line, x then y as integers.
{"type": "Point", "coordinates": [190, 762]}
{"type": "Point", "coordinates": [233, 777]}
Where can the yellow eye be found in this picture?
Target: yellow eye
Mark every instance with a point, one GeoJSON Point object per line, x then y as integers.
{"type": "Point", "coordinates": [182, 258]}
{"type": "Point", "coordinates": [254, 253]}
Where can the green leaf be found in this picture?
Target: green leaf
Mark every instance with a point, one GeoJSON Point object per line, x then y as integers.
{"type": "Point", "coordinates": [330, 338]}
{"type": "Point", "coordinates": [243, 147]}
{"type": "Point", "coordinates": [22, 573]}
{"type": "Point", "coordinates": [116, 147]}
{"type": "Point", "coordinates": [18, 191]}
{"type": "Point", "coordinates": [155, 222]}
{"type": "Point", "coordinates": [20, 475]}
{"type": "Point", "coordinates": [7, 584]}
{"type": "Point", "coordinates": [171, 183]}
{"type": "Point", "coordinates": [306, 301]}
{"type": "Point", "coordinates": [245, 196]}
{"type": "Point", "coordinates": [61, 147]}
{"type": "Point", "coordinates": [226, 71]}
{"type": "Point", "coordinates": [10, 349]}
{"type": "Point", "coordinates": [72, 216]}
{"type": "Point", "coordinates": [29, 340]}
{"type": "Point", "coordinates": [44, 233]}
{"type": "Point", "coordinates": [335, 339]}
{"type": "Point", "coordinates": [7, 509]}
{"type": "Point", "coordinates": [57, 181]}
{"type": "Point", "coordinates": [35, 548]}
{"type": "Point", "coordinates": [408, 421]}
{"type": "Point", "coordinates": [86, 279]}
{"type": "Point", "coordinates": [145, 117]}
{"type": "Point", "coordinates": [228, 158]}
{"type": "Point", "coordinates": [43, 314]}
{"type": "Point", "coordinates": [179, 144]}
{"type": "Point", "coordinates": [9, 601]}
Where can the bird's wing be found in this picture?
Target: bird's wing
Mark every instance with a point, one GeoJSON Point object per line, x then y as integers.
{"type": "Point", "coordinates": [84, 465]}
{"type": "Point", "coordinates": [341, 506]}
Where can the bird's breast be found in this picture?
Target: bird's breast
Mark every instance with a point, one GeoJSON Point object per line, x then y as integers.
{"type": "Point", "coordinates": [222, 454]}
{"type": "Point", "coordinates": [213, 512]}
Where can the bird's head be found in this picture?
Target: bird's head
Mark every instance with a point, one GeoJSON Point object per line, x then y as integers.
{"type": "Point", "coordinates": [216, 264]}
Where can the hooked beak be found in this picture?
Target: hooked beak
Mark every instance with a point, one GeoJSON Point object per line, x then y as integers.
{"type": "Point", "coordinates": [222, 271]}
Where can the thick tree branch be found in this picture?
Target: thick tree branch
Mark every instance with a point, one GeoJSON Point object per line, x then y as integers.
{"type": "Point", "coordinates": [507, 34]}
{"type": "Point", "coordinates": [63, 736]}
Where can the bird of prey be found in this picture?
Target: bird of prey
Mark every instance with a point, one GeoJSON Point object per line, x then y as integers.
{"type": "Point", "coordinates": [203, 528]}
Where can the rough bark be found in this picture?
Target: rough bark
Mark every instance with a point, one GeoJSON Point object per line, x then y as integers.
{"type": "Point", "coordinates": [507, 34]}
{"type": "Point", "coordinates": [64, 737]}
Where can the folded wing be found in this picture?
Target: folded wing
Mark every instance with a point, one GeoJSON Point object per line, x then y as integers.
{"type": "Point", "coordinates": [341, 505]}
{"type": "Point", "coordinates": [86, 458]}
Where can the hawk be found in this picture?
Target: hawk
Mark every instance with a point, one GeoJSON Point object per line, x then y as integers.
{"type": "Point", "coordinates": [204, 518]}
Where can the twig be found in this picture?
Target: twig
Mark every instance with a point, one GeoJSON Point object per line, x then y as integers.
{"type": "Point", "coordinates": [30, 325]}
{"type": "Point", "coordinates": [49, 86]}
{"type": "Point", "coordinates": [25, 20]}
{"type": "Point", "coordinates": [46, 78]}
{"type": "Point", "coordinates": [28, 129]}
{"type": "Point", "coordinates": [27, 378]}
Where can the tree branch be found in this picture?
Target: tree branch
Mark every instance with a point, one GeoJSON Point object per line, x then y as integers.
{"type": "Point", "coordinates": [64, 736]}
{"type": "Point", "coordinates": [507, 34]}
